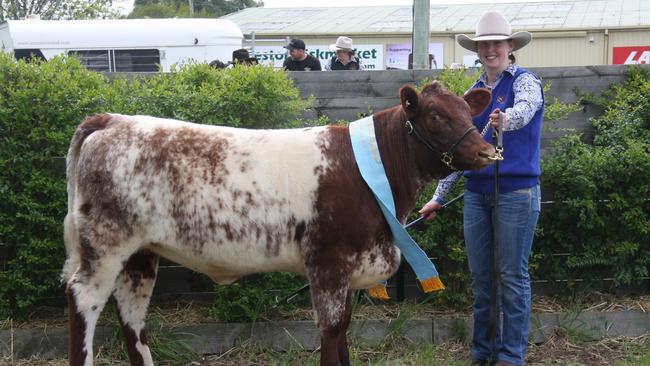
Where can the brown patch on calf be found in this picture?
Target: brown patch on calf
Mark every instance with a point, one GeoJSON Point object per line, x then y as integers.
{"type": "Point", "coordinates": [104, 204]}
{"type": "Point", "coordinates": [180, 156]}
{"type": "Point", "coordinates": [87, 255]}
{"type": "Point", "coordinates": [139, 267]}
{"type": "Point", "coordinates": [165, 150]}
{"type": "Point", "coordinates": [300, 231]}
{"type": "Point", "coordinates": [76, 353]}
{"type": "Point", "coordinates": [348, 222]}
{"type": "Point", "coordinates": [85, 208]}
{"type": "Point", "coordinates": [94, 123]}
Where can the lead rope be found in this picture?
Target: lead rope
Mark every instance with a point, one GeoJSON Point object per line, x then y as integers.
{"type": "Point", "coordinates": [494, 263]}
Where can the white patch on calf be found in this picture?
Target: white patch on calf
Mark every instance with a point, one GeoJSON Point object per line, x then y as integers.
{"type": "Point", "coordinates": [329, 307]}
{"type": "Point", "coordinates": [368, 273]}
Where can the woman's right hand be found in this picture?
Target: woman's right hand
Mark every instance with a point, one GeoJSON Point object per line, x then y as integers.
{"type": "Point", "coordinates": [430, 210]}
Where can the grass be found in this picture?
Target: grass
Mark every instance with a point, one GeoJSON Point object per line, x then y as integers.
{"type": "Point", "coordinates": [167, 346]}
{"type": "Point", "coordinates": [388, 353]}
{"type": "Point", "coordinates": [558, 351]}
{"type": "Point", "coordinates": [569, 345]}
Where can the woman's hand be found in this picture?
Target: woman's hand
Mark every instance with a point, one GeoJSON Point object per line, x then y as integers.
{"type": "Point", "coordinates": [494, 118]}
{"type": "Point", "coordinates": [430, 210]}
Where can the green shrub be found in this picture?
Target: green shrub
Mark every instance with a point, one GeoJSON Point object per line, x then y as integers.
{"type": "Point", "coordinates": [443, 240]}
{"type": "Point", "coordinates": [601, 213]}
{"type": "Point", "coordinates": [249, 97]}
{"type": "Point", "coordinates": [40, 106]}
{"type": "Point", "coordinates": [457, 81]}
{"type": "Point", "coordinates": [558, 110]}
{"type": "Point", "coordinates": [253, 297]}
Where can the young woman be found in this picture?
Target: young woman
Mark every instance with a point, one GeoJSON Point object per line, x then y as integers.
{"type": "Point", "coordinates": [517, 98]}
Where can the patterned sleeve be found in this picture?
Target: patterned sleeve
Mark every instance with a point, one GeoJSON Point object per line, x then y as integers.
{"type": "Point", "coordinates": [528, 100]}
{"type": "Point", "coordinates": [445, 186]}
{"type": "Point", "coordinates": [361, 67]}
{"type": "Point", "coordinates": [328, 65]}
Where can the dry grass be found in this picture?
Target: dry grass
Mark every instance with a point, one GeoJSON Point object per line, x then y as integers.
{"type": "Point", "coordinates": [189, 312]}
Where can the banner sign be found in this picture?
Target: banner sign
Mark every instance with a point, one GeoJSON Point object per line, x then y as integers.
{"type": "Point", "coordinates": [639, 55]}
{"type": "Point", "coordinates": [397, 56]}
{"type": "Point", "coordinates": [372, 56]}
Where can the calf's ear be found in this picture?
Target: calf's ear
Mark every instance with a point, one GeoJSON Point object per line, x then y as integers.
{"type": "Point", "coordinates": [409, 98]}
{"type": "Point", "coordinates": [478, 99]}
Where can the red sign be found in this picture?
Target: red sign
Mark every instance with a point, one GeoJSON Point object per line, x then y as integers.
{"type": "Point", "coordinates": [639, 55]}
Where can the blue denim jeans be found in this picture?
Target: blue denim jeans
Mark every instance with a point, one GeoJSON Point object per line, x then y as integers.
{"type": "Point", "coordinates": [518, 214]}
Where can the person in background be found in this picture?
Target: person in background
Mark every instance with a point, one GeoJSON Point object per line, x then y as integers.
{"type": "Point", "coordinates": [218, 64]}
{"type": "Point", "coordinates": [345, 58]}
{"type": "Point", "coordinates": [298, 59]}
{"type": "Point", "coordinates": [242, 57]}
{"type": "Point", "coordinates": [518, 99]}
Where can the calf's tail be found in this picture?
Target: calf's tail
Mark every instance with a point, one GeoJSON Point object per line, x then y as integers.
{"type": "Point", "coordinates": [70, 233]}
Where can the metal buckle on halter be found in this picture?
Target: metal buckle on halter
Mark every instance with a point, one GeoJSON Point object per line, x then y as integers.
{"type": "Point", "coordinates": [498, 154]}
{"type": "Point", "coordinates": [409, 127]}
{"type": "Point", "coordinates": [447, 158]}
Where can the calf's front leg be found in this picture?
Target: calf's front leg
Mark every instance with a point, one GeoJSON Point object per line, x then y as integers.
{"type": "Point", "coordinates": [331, 299]}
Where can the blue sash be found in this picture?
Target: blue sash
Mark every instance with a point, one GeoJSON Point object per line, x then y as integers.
{"type": "Point", "coordinates": [366, 153]}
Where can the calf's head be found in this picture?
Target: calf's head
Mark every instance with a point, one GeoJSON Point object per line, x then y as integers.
{"type": "Point", "coordinates": [443, 123]}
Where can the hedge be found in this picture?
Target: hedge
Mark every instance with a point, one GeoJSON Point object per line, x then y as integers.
{"type": "Point", "coordinates": [41, 103]}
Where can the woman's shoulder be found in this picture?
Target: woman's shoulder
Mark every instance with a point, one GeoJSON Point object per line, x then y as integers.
{"type": "Point", "coordinates": [518, 70]}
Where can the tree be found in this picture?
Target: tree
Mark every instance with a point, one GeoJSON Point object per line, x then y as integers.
{"type": "Point", "coordinates": [57, 9]}
{"type": "Point", "coordinates": [180, 8]}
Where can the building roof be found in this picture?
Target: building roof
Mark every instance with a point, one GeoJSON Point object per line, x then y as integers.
{"type": "Point", "coordinates": [461, 18]}
{"type": "Point", "coordinates": [99, 33]}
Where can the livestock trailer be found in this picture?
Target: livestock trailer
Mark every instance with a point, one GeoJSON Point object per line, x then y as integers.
{"type": "Point", "coordinates": [123, 45]}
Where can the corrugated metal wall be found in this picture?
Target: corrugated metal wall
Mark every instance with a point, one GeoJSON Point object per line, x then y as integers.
{"type": "Point", "coordinates": [548, 49]}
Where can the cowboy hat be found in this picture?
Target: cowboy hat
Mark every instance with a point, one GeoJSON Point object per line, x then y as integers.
{"type": "Point", "coordinates": [493, 26]}
{"type": "Point", "coordinates": [342, 43]}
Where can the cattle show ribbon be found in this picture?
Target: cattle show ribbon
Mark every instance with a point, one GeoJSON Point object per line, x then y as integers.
{"type": "Point", "coordinates": [367, 156]}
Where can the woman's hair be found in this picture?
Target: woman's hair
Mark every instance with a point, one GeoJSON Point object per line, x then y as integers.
{"type": "Point", "coordinates": [512, 58]}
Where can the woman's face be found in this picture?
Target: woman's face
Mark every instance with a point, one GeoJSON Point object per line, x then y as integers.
{"type": "Point", "coordinates": [494, 54]}
{"type": "Point", "coordinates": [343, 56]}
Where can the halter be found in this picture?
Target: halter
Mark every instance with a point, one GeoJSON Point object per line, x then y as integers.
{"type": "Point", "coordinates": [445, 157]}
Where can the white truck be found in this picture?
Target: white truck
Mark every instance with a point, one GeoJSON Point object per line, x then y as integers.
{"type": "Point", "coordinates": [124, 45]}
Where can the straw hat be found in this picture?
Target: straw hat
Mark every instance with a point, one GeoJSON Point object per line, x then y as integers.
{"type": "Point", "coordinates": [493, 26]}
{"type": "Point", "coordinates": [342, 43]}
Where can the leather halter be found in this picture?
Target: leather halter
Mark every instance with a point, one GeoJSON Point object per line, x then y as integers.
{"type": "Point", "coordinates": [445, 157]}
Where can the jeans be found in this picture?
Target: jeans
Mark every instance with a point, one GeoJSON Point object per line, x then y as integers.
{"type": "Point", "coordinates": [518, 214]}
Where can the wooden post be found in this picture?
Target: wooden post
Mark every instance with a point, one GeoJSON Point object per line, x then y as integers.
{"type": "Point", "coordinates": [421, 34]}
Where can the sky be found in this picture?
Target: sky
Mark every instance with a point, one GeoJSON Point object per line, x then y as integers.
{"type": "Point", "coordinates": [127, 5]}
